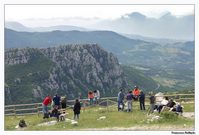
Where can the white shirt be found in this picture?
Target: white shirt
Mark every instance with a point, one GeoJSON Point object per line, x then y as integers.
{"type": "Point", "coordinates": [164, 102]}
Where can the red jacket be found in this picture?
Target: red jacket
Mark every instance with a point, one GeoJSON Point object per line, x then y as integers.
{"type": "Point", "coordinates": [90, 95]}
{"type": "Point", "coordinates": [47, 100]}
{"type": "Point", "coordinates": [136, 92]}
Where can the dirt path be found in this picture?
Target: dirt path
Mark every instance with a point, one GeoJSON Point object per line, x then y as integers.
{"type": "Point", "coordinates": [144, 128]}
{"type": "Point", "coordinates": [190, 115]}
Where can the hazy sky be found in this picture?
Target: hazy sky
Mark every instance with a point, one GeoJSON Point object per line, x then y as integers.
{"type": "Point", "coordinates": [48, 15]}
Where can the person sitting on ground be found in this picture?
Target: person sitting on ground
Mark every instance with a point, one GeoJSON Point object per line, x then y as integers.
{"type": "Point", "coordinates": [129, 98]}
{"type": "Point", "coordinates": [164, 102]}
{"type": "Point", "coordinates": [178, 108]}
{"type": "Point", "coordinates": [62, 116]}
{"type": "Point", "coordinates": [76, 109]}
{"type": "Point", "coordinates": [55, 113]}
{"type": "Point", "coordinates": [169, 105]}
{"type": "Point", "coordinates": [142, 100]}
{"type": "Point", "coordinates": [136, 93]}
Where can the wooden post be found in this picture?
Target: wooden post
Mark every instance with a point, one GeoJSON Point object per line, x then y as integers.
{"type": "Point", "coordinates": [15, 111]}
{"type": "Point", "coordinates": [84, 104]}
{"type": "Point", "coordinates": [36, 106]}
{"type": "Point", "coordinates": [107, 103]}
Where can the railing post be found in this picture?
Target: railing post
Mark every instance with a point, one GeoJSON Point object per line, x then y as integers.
{"type": "Point", "coordinates": [107, 103]}
{"type": "Point", "coordinates": [37, 108]}
{"type": "Point", "coordinates": [15, 111]}
{"type": "Point", "coordinates": [84, 104]}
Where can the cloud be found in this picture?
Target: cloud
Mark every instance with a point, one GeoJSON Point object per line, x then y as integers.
{"type": "Point", "coordinates": [166, 26]}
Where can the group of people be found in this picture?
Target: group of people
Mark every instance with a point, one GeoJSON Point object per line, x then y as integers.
{"type": "Point", "coordinates": [134, 95]}
{"type": "Point", "coordinates": [94, 97]}
{"type": "Point", "coordinates": [137, 95]}
{"type": "Point", "coordinates": [57, 103]}
{"type": "Point", "coordinates": [168, 104]}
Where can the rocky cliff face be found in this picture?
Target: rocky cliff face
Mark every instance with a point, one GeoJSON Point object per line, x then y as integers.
{"type": "Point", "coordinates": [68, 70]}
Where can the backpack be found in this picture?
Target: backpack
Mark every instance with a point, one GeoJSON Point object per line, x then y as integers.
{"type": "Point", "coordinates": [22, 123]}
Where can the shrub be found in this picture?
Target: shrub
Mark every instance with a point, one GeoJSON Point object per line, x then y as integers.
{"type": "Point", "coordinates": [169, 116]}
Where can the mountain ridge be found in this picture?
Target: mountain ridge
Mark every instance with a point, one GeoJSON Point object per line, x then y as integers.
{"type": "Point", "coordinates": [31, 73]}
{"type": "Point", "coordinates": [21, 28]}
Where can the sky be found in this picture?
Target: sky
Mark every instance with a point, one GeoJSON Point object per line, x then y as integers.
{"type": "Point", "coordinates": [40, 15]}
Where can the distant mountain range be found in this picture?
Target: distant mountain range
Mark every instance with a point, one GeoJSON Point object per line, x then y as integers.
{"type": "Point", "coordinates": [19, 27]}
{"type": "Point", "coordinates": [171, 64]}
{"type": "Point", "coordinates": [109, 40]}
{"type": "Point", "coordinates": [161, 41]}
{"type": "Point", "coordinates": [16, 26]}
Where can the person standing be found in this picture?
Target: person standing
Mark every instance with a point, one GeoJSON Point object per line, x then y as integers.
{"type": "Point", "coordinates": [56, 100]}
{"type": "Point", "coordinates": [98, 96]}
{"type": "Point", "coordinates": [152, 102]}
{"type": "Point", "coordinates": [79, 96]}
{"type": "Point", "coordinates": [142, 100]}
{"type": "Point", "coordinates": [76, 109]}
{"type": "Point", "coordinates": [63, 102]}
{"type": "Point", "coordinates": [129, 99]}
{"type": "Point", "coordinates": [90, 97]}
{"type": "Point", "coordinates": [95, 96]}
{"type": "Point", "coordinates": [136, 93]}
{"type": "Point", "coordinates": [120, 100]}
{"type": "Point", "coordinates": [45, 104]}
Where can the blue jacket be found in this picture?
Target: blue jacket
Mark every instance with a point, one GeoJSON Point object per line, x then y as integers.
{"type": "Point", "coordinates": [56, 100]}
{"type": "Point", "coordinates": [142, 97]}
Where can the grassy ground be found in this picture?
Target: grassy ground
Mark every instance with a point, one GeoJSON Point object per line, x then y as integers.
{"type": "Point", "coordinates": [136, 120]}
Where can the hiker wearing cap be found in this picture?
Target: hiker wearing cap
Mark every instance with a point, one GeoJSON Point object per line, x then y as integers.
{"type": "Point", "coordinates": [120, 100]}
{"type": "Point", "coordinates": [136, 93]}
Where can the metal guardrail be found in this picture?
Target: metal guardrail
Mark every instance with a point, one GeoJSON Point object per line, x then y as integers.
{"type": "Point", "coordinates": [36, 108]}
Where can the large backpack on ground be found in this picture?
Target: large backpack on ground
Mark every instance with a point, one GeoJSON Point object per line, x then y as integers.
{"type": "Point", "coordinates": [22, 123]}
